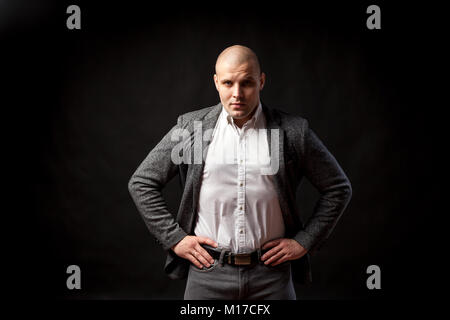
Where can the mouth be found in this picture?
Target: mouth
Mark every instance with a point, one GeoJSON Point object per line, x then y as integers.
{"type": "Point", "coordinates": [237, 104]}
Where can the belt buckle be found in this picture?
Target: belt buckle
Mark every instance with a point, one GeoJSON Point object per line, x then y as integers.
{"type": "Point", "coordinates": [242, 259]}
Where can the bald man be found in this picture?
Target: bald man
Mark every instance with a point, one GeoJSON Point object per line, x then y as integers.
{"type": "Point", "coordinates": [238, 233]}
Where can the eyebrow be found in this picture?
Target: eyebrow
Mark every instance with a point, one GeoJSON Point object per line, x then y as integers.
{"type": "Point", "coordinates": [248, 78]}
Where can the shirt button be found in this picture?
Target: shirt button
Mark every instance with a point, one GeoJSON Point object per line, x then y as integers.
{"type": "Point", "coordinates": [241, 160]}
{"type": "Point", "coordinates": [240, 208]}
{"type": "Point", "coordinates": [241, 232]}
{"type": "Point", "coordinates": [241, 184]}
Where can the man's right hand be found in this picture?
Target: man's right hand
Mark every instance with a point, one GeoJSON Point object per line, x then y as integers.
{"type": "Point", "coordinates": [189, 248]}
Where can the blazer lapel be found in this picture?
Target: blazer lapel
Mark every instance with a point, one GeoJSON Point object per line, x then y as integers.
{"type": "Point", "coordinates": [274, 130]}
{"type": "Point", "coordinates": [196, 169]}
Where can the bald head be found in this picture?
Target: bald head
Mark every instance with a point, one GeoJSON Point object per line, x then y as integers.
{"type": "Point", "coordinates": [239, 80]}
{"type": "Point", "coordinates": [237, 55]}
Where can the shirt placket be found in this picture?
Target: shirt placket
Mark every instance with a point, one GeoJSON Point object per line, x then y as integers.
{"type": "Point", "coordinates": [240, 226]}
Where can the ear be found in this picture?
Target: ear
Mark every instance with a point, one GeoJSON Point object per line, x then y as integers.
{"type": "Point", "coordinates": [262, 81]}
{"type": "Point", "coordinates": [216, 82]}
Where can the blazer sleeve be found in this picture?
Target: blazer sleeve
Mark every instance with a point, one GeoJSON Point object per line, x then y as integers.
{"type": "Point", "coordinates": [323, 171]}
{"type": "Point", "coordinates": [145, 187]}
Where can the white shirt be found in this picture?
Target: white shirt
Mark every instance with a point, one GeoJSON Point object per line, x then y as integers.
{"type": "Point", "coordinates": [238, 205]}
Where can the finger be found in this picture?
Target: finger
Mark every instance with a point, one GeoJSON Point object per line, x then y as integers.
{"type": "Point", "coordinates": [279, 261]}
{"type": "Point", "coordinates": [204, 253]}
{"type": "Point", "coordinates": [207, 241]}
{"type": "Point", "coordinates": [272, 243]}
{"type": "Point", "coordinates": [195, 261]}
{"type": "Point", "coordinates": [271, 252]}
{"type": "Point", "coordinates": [200, 258]}
{"type": "Point", "coordinates": [274, 258]}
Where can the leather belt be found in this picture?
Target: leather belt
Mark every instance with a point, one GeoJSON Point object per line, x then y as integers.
{"type": "Point", "coordinates": [237, 259]}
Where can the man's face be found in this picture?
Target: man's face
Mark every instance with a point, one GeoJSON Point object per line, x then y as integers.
{"type": "Point", "coordinates": [239, 87]}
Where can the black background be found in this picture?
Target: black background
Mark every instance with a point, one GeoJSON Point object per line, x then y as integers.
{"type": "Point", "coordinates": [88, 105]}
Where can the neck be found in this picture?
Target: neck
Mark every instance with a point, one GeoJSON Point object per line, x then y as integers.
{"type": "Point", "coordinates": [241, 122]}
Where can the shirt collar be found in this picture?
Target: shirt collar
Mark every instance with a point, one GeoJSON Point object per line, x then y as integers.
{"type": "Point", "coordinates": [229, 119]}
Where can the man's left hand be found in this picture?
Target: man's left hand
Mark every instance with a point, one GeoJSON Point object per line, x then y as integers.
{"type": "Point", "coordinates": [283, 249]}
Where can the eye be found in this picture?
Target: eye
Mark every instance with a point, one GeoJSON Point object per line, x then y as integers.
{"type": "Point", "coordinates": [227, 83]}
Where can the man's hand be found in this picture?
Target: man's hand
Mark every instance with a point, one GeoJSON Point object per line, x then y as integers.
{"type": "Point", "coordinates": [283, 249]}
{"type": "Point", "coordinates": [189, 248]}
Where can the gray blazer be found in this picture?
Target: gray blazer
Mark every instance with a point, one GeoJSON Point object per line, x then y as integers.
{"type": "Point", "coordinates": [301, 153]}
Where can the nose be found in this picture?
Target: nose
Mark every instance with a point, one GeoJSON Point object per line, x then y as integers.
{"type": "Point", "coordinates": [237, 91]}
